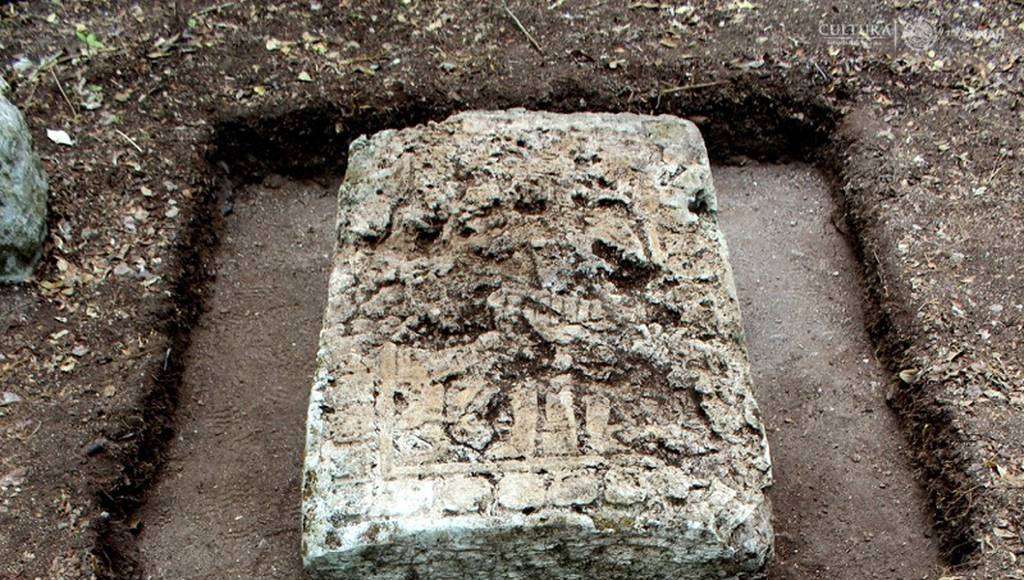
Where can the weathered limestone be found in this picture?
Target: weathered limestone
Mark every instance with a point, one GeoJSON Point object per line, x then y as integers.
{"type": "Point", "coordinates": [532, 364]}
{"type": "Point", "coordinates": [22, 195]}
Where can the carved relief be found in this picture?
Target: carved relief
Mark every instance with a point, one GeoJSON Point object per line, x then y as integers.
{"type": "Point", "coordinates": [429, 423]}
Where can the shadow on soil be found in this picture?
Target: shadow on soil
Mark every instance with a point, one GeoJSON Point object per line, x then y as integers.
{"type": "Point", "coordinates": [312, 141]}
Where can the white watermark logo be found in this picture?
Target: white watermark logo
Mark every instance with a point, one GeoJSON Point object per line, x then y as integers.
{"type": "Point", "coordinates": [917, 34]}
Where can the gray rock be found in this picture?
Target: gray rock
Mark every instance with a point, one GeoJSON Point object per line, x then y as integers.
{"type": "Point", "coordinates": [23, 191]}
{"type": "Point", "coordinates": [532, 362]}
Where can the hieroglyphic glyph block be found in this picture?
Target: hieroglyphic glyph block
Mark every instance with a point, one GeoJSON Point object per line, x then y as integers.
{"type": "Point", "coordinates": [532, 364]}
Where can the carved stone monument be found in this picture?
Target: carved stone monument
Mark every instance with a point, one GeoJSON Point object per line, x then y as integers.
{"type": "Point", "coordinates": [532, 363]}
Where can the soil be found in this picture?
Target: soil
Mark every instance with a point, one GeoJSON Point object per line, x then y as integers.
{"type": "Point", "coordinates": [846, 502]}
{"type": "Point", "coordinates": [170, 103]}
{"type": "Point", "coordinates": [227, 502]}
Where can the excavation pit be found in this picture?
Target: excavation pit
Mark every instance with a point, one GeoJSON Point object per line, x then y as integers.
{"type": "Point", "coordinates": [845, 500]}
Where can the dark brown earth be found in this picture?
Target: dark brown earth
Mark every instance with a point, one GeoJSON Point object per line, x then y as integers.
{"type": "Point", "coordinates": [168, 103]}
{"type": "Point", "coordinates": [227, 503]}
{"type": "Point", "coordinates": [845, 500]}
{"type": "Point", "coordinates": [847, 505]}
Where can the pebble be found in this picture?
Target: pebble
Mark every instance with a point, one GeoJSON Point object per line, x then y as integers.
{"type": "Point", "coordinates": [9, 398]}
{"type": "Point", "coordinates": [96, 447]}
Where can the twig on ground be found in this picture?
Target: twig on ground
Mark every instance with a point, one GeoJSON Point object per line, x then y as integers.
{"type": "Point", "coordinates": [74, 112]}
{"type": "Point", "coordinates": [215, 8]}
{"type": "Point", "coordinates": [129, 139]}
{"type": "Point", "coordinates": [693, 87]}
{"type": "Point", "coordinates": [523, 29]}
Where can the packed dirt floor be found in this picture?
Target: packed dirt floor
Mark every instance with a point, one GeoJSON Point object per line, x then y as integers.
{"type": "Point", "coordinates": [846, 503]}
{"type": "Point", "coordinates": [912, 110]}
{"type": "Point", "coordinates": [227, 503]}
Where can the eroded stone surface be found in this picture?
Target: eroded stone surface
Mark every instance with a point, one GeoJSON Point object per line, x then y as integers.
{"type": "Point", "coordinates": [531, 363]}
{"type": "Point", "coordinates": [22, 195]}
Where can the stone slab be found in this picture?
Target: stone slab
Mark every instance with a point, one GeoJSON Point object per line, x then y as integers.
{"type": "Point", "coordinates": [532, 362]}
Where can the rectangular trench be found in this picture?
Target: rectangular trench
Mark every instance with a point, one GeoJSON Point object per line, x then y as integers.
{"type": "Point", "coordinates": [846, 503]}
{"type": "Point", "coordinates": [845, 500]}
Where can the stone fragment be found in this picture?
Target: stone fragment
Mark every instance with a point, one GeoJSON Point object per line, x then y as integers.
{"type": "Point", "coordinates": [532, 363]}
{"type": "Point", "coordinates": [23, 192]}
